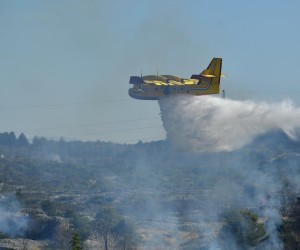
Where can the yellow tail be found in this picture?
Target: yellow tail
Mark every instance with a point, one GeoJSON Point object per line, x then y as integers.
{"type": "Point", "coordinates": [211, 76]}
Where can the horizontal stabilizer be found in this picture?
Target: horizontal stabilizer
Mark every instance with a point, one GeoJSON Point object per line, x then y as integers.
{"type": "Point", "coordinates": [208, 76]}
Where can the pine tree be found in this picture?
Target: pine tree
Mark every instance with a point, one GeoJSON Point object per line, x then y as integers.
{"type": "Point", "coordinates": [75, 242]}
{"type": "Point", "coordinates": [22, 140]}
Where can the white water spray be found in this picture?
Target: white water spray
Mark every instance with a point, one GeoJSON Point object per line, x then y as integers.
{"type": "Point", "coordinates": [211, 124]}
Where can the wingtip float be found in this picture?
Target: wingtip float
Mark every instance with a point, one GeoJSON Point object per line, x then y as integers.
{"type": "Point", "coordinates": [153, 87]}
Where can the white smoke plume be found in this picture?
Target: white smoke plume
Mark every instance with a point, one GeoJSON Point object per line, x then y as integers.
{"type": "Point", "coordinates": [208, 124]}
{"type": "Point", "coordinates": [12, 221]}
{"type": "Point", "coordinates": [212, 124]}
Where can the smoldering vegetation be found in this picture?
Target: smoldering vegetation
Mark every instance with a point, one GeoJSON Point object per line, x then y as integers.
{"type": "Point", "coordinates": [183, 193]}
{"type": "Point", "coordinates": [12, 221]}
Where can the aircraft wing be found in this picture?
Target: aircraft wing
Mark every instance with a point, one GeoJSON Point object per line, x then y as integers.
{"type": "Point", "coordinates": [162, 83]}
{"type": "Point", "coordinates": [190, 81]}
{"type": "Point", "coordinates": [172, 82]}
{"type": "Point", "coordinates": [166, 80]}
{"type": "Point", "coordinates": [159, 83]}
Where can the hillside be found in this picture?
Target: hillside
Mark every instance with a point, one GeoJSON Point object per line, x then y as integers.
{"type": "Point", "coordinates": [153, 196]}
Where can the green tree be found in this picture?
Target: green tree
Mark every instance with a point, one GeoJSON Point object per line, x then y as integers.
{"type": "Point", "coordinates": [105, 223]}
{"type": "Point", "coordinates": [49, 207]}
{"type": "Point", "coordinates": [22, 140]}
{"type": "Point", "coordinates": [126, 234]}
{"type": "Point", "coordinates": [75, 242]}
{"type": "Point", "coordinates": [8, 139]}
{"type": "Point", "coordinates": [80, 223]}
{"type": "Point", "coordinates": [290, 228]}
{"type": "Point", "coordinates": [245, 228]}
{"type": "Point", "coordinates": [20, 196]}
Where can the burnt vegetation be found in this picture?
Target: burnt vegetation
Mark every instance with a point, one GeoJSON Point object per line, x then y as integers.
{"type": "Point", "coordinates": [78, 195]}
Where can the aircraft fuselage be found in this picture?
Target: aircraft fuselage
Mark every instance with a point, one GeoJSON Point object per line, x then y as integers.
{"type": "Point", "coordinates": [149, 92]}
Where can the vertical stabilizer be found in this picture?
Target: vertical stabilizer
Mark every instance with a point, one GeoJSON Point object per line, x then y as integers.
{"type": "Point", "coordinates": [211, 75]}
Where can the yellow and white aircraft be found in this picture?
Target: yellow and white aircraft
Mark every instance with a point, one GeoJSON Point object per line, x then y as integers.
{"type": "Point", "coordinates": [153, 87]}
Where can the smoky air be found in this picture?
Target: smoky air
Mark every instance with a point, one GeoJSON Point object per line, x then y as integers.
{"type": "Point", "coordinates": [226, 177]}
{"type": "Point", "coordinates": [230, 130]}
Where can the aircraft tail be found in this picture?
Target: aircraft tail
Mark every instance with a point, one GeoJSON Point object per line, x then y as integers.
{"type": "Point", "coordinates": [211, 75]}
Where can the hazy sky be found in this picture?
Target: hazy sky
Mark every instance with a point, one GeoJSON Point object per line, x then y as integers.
{"type": "Point", "coordinates": [65, 65]}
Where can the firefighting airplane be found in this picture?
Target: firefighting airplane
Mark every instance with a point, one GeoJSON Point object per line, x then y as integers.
{"type": "Point", "coordinates": [153, 87]}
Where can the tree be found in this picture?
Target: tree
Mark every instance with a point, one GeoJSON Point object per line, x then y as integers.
{"type": "Point", "coordinates": [39, 141]}
{"type": "Point", "coordinates": [49, 207]}
{"type": "Point", "coordinates": [105, 223]}
{"type": "Point", "coordinates": [20, 196]}
{"type": "Point", "coordinates": [290, 228]}
{"type": "Point", "coordinates": [242, 228]}
{"type": "Point", "coordinates": [125, 232]}
{"type": "Point", "coordinates": [22, 140]}
{"type": "Point", "coordinates": [75, 242]}
{"type": "Point", "coordinates": [8, 139]}
{"type": "Point", "coordinates": [79, 223]}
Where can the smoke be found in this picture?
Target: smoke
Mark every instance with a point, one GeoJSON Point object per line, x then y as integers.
{"type": "Point", "coordinates": [12, 221]}
{"type": "Point", "coordinates": [211, 124]}
{"type": "Point", "coordinates": [216, 131]}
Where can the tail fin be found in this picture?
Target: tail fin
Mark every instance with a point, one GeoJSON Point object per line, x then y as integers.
{"type": "Point", "coordinates": [213, 69]}
{"type": "Point", "coordinates": [212, 74]}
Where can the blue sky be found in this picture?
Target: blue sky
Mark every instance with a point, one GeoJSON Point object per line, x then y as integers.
{"type": "Point", "coordinates": [65, 65]}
